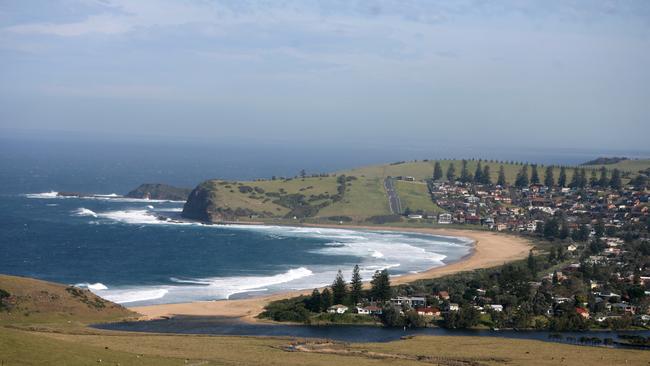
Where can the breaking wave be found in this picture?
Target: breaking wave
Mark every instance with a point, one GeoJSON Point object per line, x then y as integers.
{"type": "Point", "coordinates": [92, 286]}
{"type": "Point", "coordinates": [200, 289]}
{"type": "Point", "coordinates": [84, 212]}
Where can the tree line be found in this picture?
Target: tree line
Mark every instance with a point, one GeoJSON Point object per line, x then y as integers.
{"type": "Point", "coordinates": [529, 174]}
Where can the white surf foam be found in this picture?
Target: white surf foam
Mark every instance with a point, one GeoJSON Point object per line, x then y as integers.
{"type": "Point", "coordinates": [128, 296]}
{"type": "Point", "coordinates": [51, 194]}
{"type": "Point", "coordinates": [105, 197]}
{"type": "Point", "coordinates": [372, 250]}
{"type": "Point", "coordinates": [82, 211]}
{"type": "Point", "coordinates": [215, 288]}
{"type": "Point", "coordinates": [92, 286]}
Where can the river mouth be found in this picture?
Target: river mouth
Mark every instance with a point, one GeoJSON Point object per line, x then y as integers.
{"type": "Point", "coordinates": [224, 326]}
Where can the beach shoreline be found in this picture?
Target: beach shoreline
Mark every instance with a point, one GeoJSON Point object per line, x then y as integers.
{"type": "Point", "coordinates": [490, 249]}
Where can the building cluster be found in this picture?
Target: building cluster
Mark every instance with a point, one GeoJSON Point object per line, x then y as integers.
{"type": "Point", "coordinates": [524, 209]}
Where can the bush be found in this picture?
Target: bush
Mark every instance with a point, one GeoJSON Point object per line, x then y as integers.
{"type": "Point", "coordinates": [287, 310]}
{"type": "Point", "coordinates": [245, 189]}
{"type": "Point", "coordinates": [383, 219]}
{"type": "Point", "coordinates": [3, 296]}
{"type": "Point", "coordinates": [340, 218]}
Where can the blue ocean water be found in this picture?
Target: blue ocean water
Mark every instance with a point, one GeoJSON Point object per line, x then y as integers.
{"type": "Point", "coordinates": [120, 250]}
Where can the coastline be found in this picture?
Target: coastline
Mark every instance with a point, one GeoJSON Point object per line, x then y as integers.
{"type": "Point", "coordinates": [490, 249]}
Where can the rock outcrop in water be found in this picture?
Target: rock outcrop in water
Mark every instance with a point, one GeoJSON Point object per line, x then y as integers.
{"type": "Point", "coordinates": [203, 205]}
{"type": "Point", "coordinates": [156, 191]}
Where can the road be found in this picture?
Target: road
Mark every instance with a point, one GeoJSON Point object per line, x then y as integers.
{"type": "Point", "coordinates": [393, 199]}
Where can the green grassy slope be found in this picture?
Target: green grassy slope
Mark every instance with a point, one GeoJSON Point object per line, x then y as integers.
{"type": "Point", "coordinates": [37, 302]}
{"type": "Point", "coordinates": [631, 166]}
{"type": "Point", "coordinates": [413, 195]}
{"type": "Point", "coordinates": [363, 197]}
{"type": "Point", "coordinates": [421, 169]}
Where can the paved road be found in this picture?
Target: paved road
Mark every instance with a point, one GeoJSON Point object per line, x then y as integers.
{"type": "Point", "coordinates": [393, 199]}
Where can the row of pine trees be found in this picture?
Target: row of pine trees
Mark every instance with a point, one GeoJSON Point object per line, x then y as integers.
{"type": "Point", "coordinates": [482, 175]}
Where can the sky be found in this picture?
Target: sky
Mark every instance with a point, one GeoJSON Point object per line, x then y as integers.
{"type": "Point", "coordinates": [548, 74]}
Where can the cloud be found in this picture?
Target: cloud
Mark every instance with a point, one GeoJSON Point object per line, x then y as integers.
{"type": "Point", "coordinates": [104, 24]}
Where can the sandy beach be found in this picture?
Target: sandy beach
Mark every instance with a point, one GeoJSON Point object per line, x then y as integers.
{"type": "Point", "coordinates": [490, 249]}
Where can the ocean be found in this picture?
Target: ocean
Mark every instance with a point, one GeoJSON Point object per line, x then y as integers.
{"type": "Point", "coordinates": [119, 250]}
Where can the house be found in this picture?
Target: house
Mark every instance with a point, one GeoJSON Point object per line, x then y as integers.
{"type": "Point", "coordinates": [453, 307]}
{"type": "Point", "coordinates": [373, 310]}
{"type": "Point", "coordinates": [429, 311]}
{"type": "Point", "coordinates": [583, 312]}
{"type": "Point", "coordinates": [415, 216]}
{"type": "Point", "coordinates": [624, 307]}
{"type": "Point", "coordinates": [443, 295]}
{"type": "Point", "coordinates": [495, 307]}
{"type": "Point", "coordinates": [363, 311]}
{"type": "Point", "coordinates": [337, 309]}
{"type": "Point", "coordinates": [413, 302]}
{"type": "Point", "coordinates": [444, 218]}
{"type": "Point", "coordinates": [532, 226]}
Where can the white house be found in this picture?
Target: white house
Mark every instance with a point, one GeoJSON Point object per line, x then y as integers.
{"type": "Point", "coordinates": [444, 218]}
{"type": "Point", "coordinates": [363, 311]}
{"type": "Point", "coordinates": [495, 307]}
{"type": "Point", "coordinates": [337, 309]}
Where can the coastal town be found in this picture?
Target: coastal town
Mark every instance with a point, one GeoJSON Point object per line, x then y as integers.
{"type": "Point", "coordinates": [590, 267]}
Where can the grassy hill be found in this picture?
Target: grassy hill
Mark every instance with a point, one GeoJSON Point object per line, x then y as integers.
{"type": "Point", "coordinates": [630, 165]}
{"type": "Point", "coordinates": [33, 301]}
{"type": "Point", "coordinates": [359, 198]}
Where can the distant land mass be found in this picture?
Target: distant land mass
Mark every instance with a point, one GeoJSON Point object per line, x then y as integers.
{"type": "Point", "coordinates": [360, 195]}
{"type": "Point", "coordinates": [157, 191]}
{"type": "Point", "coordinates": [605, 160]}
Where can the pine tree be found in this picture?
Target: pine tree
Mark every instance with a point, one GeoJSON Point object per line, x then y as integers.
{"type": "Point", "coordinates": [593, 179]}
{"type": "Point", "coordinates": [502, 177]}
{"type": "Point", "coordinates": [465, 177]}
{"type": "Point", "coordinates": [532, 264]}
{"type": "Point", "coordinates": [478, 173]}
{"type": "Point", "coordinates": [603, 182]}
{"type": "Point", "coordinates": [451, 172]}
{"type": "Point", "coordinates": [561, 182]}
{"type": "Point", "coordinates": [564, 230]}
{"type": "Point", "coordinates": [534, 176]}
{"type": "Point", "coordinates": [380, 286]}
{"type": "Point", "coordinates": [549, 180]}
{"type": "Point", "coordinates": [315, 302]}
{"type": "Point", "coordinates": [487, 179]}
{"type": "Point", "coordinates": [575, 179]}
{"type": "Point", "coordinates": [339, 289]}
{"type": "Point", "coordinates": [356, 286]}
{"type": "Point", "coordinates": [522, 177]}
{"type": "Point", "coordinates": [582, 178]}
{"type": "Point", "coordinates": [615, 182]}
{"type": "Point", "coordinates": [326, 299]}
{"type": "Point", "coordinates": [551, 229]}
{"type": "Point", "coordinates": [437, 171]}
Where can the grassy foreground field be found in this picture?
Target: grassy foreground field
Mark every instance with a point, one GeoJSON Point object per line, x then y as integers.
{"type": "Point", "coordinates": [55, 332]}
